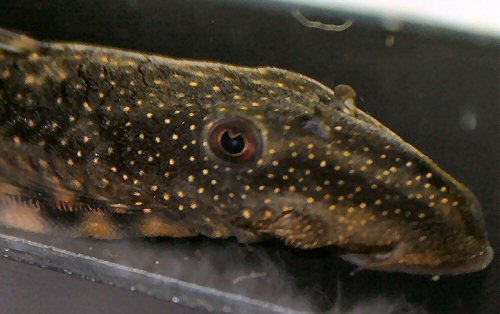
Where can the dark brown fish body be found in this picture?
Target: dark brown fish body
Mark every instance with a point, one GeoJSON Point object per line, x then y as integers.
{"type": "Point", "coordinates": [109, 143]}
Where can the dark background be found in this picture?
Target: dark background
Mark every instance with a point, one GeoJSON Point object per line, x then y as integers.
{"type": "Point", "coordinates": [429, 87]}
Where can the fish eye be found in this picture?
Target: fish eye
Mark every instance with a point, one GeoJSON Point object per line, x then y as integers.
{"type": "Point", "coordinates": [235, 140]}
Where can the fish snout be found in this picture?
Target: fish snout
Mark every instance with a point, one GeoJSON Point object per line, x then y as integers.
{"type": "Point", "coordinates": [472, 249]}
{"type": "Point", "coordinates": [443, 235]}
{"type": "Point", "coordinates": [438, 246]}
{"type": "Point", "coordinates": [472, 216]}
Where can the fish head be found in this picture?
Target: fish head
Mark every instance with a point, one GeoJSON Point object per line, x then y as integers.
{"type": "Point", "coordinates": [304, 163]}
{"type": "Point", "coordinates": [251, 152]}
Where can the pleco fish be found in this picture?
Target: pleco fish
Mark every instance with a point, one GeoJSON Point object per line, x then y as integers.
{"type": "Point", "coordinates": [108, 143]}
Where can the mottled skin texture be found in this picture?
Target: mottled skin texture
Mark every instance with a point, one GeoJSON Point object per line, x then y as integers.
{"type": "Point", "coordinates": [107, 143]}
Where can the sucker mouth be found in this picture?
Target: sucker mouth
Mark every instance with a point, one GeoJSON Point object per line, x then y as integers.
{"type": "Point", "coordinates": [372, 257]}
{"type": "Point", "coordinates": [477, 263]}
{"type": "Point", "coordinates": [388, 261]}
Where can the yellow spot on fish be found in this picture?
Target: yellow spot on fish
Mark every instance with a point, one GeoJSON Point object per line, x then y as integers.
{"type": "Point", "coordinates": [5, 74]}
{"type": "Point", "coordinates": [87, 106]}
{"type": "Point", "coordinates": [30, 79]}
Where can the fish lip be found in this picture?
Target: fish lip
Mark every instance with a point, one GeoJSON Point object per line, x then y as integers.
{"type": "Point", "coordinates": [477, 263]}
